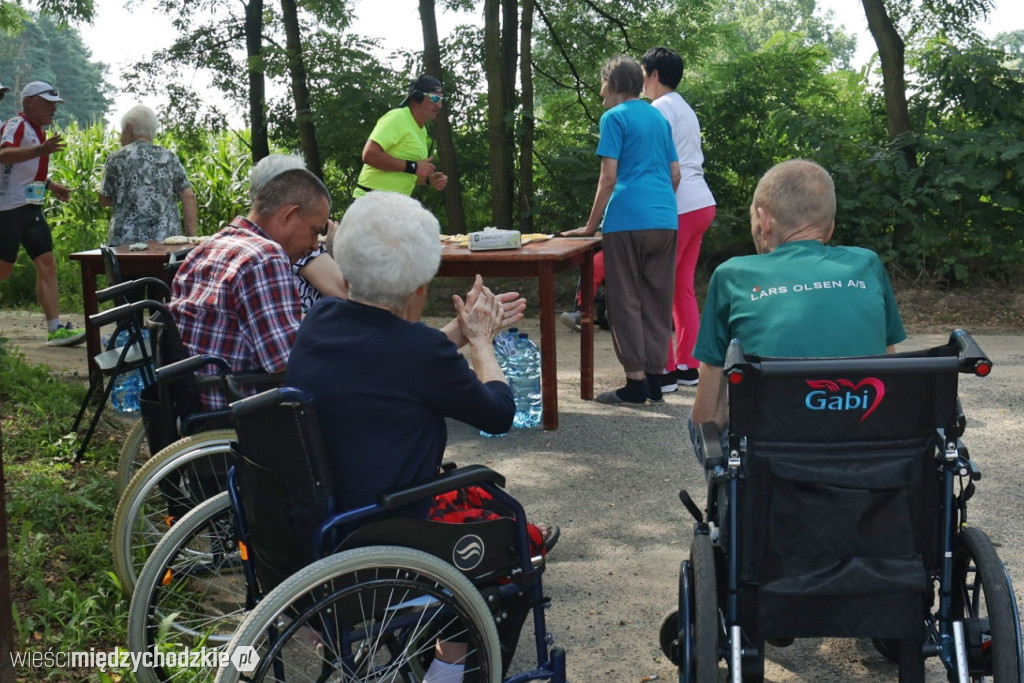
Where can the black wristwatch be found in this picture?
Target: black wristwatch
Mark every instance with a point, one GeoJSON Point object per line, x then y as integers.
{"type": "Point", "coordinates": [410, 167]}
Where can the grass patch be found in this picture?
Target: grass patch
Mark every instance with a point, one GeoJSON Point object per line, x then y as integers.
{"type": "Point", "coordinates": [64, 593]}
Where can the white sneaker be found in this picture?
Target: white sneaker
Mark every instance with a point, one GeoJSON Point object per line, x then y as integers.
{"type": "Point", "coordinates": [571, 319]}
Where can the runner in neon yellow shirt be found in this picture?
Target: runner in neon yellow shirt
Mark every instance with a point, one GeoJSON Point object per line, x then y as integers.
{"type": "Point", "coordinates": [395, 157]}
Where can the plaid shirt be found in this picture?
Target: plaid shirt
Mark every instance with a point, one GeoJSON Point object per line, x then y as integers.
{"type": "Point", "coordinates": [235, 297]}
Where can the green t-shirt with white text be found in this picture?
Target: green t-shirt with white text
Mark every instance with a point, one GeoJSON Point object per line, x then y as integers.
{"type": "Point", "coordinates": [803, 300]}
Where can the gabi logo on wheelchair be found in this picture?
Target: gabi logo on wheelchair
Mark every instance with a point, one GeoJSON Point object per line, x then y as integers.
{"type": "Point", "coordinates": [827, 395]}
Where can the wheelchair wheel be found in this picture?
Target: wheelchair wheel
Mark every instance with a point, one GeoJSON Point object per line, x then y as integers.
{"type": "Point", "coordinates": [705, 609]}
{"type": "Point", "coordinates": [134, 454]}
{"type": "Point", "coordinates": [169, 485]}
{"type": "Point", "coordinates": [191, 592]}
{"type": "Point", "coordinates": [983, 597]}
{"type": "Point", "coordinates": [368, 614]}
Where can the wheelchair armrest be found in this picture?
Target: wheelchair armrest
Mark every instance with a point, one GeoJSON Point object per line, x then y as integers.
{"type": "Point", "coordinates": [710, 444]}
{"type": "Point", "coordinates": [456, 479]}
{"type": "Point", "coordinates": [188, 366]}
{"type": "Point", "coordinates": [233, 383]}
{"type": "Point", "coordinates": [197, 422]}
{"type": "Point", "coordinates": [123, 288]}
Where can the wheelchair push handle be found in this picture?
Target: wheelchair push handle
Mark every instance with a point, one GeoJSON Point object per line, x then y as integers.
{"type": "Point", "coordinates": [124, 288]}
{"type": "Point", "coordinates": [121, 312]}
{"type": "Point", "coordinates": [973, 359]}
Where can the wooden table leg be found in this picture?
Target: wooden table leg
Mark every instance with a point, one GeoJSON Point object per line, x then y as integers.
{"type": "Point", "coordinates": [91, 307]}
{"type": "Point", "coordinates": [587, 327]}
{"type": "Point", "coordinates": [548, 354]}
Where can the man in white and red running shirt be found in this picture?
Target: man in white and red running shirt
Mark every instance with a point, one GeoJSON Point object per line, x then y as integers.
{"type": "Point", "coordinates": [24, 165]}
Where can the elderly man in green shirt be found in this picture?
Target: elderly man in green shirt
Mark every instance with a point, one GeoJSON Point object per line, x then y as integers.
{"type": "Point", "coordinates": [797, 297]}
{"type": "Point", "coordinates": [395, 157]}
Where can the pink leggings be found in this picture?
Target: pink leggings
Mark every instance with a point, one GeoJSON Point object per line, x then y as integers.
{"type": "Point", "coordinates": [598, 276]}
{"type": "Point", "coordinates": [685, 317]}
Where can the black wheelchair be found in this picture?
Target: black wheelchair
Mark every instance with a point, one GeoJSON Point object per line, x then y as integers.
{"type": "Point", "coordinates": [269, 569]}
{"type": "Point", "coordinates": [838, 508]}
{"type": "Point", "coordinates": [190, 447]}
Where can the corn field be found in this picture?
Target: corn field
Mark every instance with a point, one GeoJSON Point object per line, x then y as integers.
{"type": "Point", "coordinates": [219, 173]}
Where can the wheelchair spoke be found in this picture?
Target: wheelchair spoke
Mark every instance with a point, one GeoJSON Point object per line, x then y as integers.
{"type": "Point", "coordinates": [368, 623]}
{"type": "Point", "coordinates": [983, 598]}
{"type": "Point", "coordinates": [167, 487]}
{"type": "Point", "coordinates": [191, 593]}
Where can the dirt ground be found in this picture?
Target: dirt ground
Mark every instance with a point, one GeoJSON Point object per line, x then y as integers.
{"type": "Point", "coordinates": [610, 478]}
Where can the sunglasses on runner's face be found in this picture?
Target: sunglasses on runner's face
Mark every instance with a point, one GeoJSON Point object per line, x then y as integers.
{"type": "Point", "coordinates": [435, 99]}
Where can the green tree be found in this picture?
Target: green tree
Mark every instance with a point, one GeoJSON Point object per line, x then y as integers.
{"type": "Point", "coordinates": [755, 22]}
{"type": "Point", "coordinates": [44, 51]}
{"type": "Point", "coordinates": [229, 47]}
{"type": "Point", "coordinates": [1011, 43]}
{"type": "Point", "coordinates": [892, 23]}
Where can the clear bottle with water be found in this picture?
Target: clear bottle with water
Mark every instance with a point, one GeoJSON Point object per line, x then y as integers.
{"type": "Point", "coordinates": [504, 348]}
{"type": "Point", "coordinates": [124, 395]}
{"type": "Point", "coordinates": [524, 377]}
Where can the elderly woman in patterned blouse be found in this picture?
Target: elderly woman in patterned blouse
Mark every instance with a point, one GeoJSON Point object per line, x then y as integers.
{"type": "Point", "coordinates": [144, 183]}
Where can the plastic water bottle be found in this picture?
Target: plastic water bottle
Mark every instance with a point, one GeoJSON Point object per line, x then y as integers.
{"type": "Point", "coordinates": [504, 348]}
{"type": "Point", "coordinates": [121, 395]}
{"type": "Point", "coordinates": [124, 396]}
{"type": "Point", "coordinates": [524, 377]}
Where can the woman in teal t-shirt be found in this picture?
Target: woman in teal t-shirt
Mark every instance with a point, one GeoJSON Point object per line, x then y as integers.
{"type": "Point", "coordinates": [636, 200]}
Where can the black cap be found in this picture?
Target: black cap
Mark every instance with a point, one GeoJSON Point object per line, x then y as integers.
{"type": "Point", "coordinates": [422, 85]}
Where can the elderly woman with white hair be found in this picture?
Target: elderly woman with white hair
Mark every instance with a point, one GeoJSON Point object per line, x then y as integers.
{"type": "Point", "coordinates": [144, 183]}
{"type": "Point", "coordinates": [383, 382]}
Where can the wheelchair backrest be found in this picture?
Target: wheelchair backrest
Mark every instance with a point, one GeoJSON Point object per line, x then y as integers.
{"type": "Point", "coordinates": [836, 401]}
{"type": "Point", "coordinates": [841, 497]}
{"type": "Point", "coordinates": [283, 481]}
{"type": "Point", "coordinates": [165, 403]}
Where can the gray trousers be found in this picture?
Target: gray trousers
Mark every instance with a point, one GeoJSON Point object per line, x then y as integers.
{"type": "Point", "coordinates": [640, 271]}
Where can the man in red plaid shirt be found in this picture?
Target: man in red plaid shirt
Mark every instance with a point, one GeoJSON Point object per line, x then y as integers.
{"type": "Point", "coordinates": [234, 296]}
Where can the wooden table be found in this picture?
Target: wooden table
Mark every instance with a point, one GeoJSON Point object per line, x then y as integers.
{"type": "Point", "coordinates": [134, 264]}
{"type": "Point", "coordinates": [541, 260]}
{"type": "Point", "coordinates": [536, 259]}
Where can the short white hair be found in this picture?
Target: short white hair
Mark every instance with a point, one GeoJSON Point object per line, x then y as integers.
{"type": "Point", "coordinates": [143, 121]}
{"type": "Point", "coordinates": [270, 167]}
{"type": "Point", "coordinates": [387, 245]}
